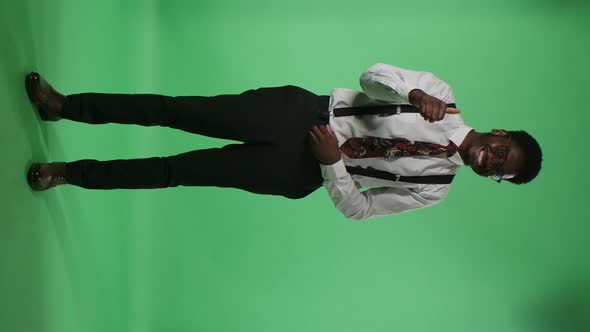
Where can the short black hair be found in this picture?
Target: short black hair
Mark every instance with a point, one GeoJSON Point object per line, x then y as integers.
{"type": "Point", "coordinates": [533, 156]}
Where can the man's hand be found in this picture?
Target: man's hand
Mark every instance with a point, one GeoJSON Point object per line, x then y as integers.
{"type": "Point", "coordinates": [324, 145]}
{"type": "Point", "coordinates": [431, 108]}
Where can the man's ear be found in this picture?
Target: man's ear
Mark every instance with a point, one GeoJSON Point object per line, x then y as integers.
{"type": "Point", "coordinates": [499, 132]}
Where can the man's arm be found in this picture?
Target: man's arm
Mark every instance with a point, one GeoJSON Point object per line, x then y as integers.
{"type": "Point", "coordinates": [353, 203]}
{"type": "Point", "coordinates": [374, 202]}
{"type": "Point", "coordinates": [421, 89]}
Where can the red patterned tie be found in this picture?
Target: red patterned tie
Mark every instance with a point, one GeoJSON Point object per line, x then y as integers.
{"type": "Point", "coordinates": [376, 147]}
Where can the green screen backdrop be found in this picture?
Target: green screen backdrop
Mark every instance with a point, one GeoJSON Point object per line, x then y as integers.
{"type": "Point", "coordinates": [489, 258]}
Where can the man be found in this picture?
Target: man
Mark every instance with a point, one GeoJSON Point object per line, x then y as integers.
{"type": "Point", "coordinates": [406, 155]}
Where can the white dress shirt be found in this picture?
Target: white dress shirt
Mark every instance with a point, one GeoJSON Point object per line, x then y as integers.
{"type": "Point", "coordinates": [386, 84]}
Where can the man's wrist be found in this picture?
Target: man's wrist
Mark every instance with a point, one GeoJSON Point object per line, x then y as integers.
{"type": "Point", "coordinates": [415, 96]}
{"type": "Point", "coordinates": [334, 171]}
{"type": "Point", "coordinates": [330, 161]}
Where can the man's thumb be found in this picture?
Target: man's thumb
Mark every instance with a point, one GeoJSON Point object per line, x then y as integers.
{"type": "Point", "coordinates": [451, 110]}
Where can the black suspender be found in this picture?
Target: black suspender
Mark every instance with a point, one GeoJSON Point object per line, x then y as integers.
{"type": "Point", "coordinates": [378, 110]}
{"type": "Point", "coordinates": [422, 179]}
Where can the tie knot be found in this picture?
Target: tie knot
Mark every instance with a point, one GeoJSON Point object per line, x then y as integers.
{"type": "Point", "coordinates": [451, 149]}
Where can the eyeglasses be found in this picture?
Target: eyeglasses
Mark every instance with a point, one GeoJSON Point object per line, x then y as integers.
{"type": "Point", "coordinates": [500, 154]}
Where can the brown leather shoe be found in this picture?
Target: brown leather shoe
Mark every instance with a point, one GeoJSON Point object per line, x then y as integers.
{"type": "Point", "coordinates": [46, 100]}
{"type": "Point", "coordinates": [42, 176]}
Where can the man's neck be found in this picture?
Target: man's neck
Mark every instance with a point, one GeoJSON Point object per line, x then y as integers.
{"type": "Point", "coordinates": [466, 144]}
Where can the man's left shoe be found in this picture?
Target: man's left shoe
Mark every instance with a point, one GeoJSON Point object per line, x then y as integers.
{"type": "Point", "coordinates": [42, 176]}
{"type": "Point", "coordinates": [47, 101]}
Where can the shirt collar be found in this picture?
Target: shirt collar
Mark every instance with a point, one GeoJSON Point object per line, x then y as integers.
{"type": "Point", "coordinates": [458, 137]}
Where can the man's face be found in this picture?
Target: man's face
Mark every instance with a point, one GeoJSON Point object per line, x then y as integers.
{"type": "Point", "coordinates": [494, 154]}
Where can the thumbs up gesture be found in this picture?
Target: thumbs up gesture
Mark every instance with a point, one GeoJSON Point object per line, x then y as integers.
{"type": "Point", "coordinates": [431, 108]}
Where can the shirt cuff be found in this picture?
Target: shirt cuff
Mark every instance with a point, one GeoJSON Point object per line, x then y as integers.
{"type": "Point", "coordinates": [404, 90]}
{"type": "Point", "coordinates": [334, 171]}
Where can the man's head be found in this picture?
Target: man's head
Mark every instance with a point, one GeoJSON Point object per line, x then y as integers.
{"type": "Point", "coordinates": [513, 156]}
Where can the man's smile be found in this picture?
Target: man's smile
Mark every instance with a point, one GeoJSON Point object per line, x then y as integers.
{"type": "Point", "coordinates": [481, 158]}
{"type": "Point", "coordinates": [478, 157]}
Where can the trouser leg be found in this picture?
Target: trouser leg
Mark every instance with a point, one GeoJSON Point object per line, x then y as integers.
{"type": "Point", "coordinates": [289, 170]}
{"type": "Point", "coordinates": [254, 116]}
{"type": "Point", "coordinates": [273, 121]}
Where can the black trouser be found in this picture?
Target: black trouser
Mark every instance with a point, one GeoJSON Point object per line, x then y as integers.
{"type": "Point", "coordinates": [273, 123]}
